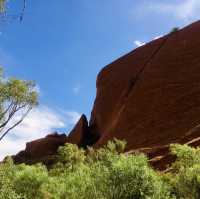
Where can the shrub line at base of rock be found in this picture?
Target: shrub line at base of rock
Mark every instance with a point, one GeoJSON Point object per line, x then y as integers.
{"type": "Point", "coordinates": [103, 173]}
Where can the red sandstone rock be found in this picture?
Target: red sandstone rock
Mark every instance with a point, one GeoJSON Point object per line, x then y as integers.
{"type": "Point", "coordinates": [80, 130]}
{"type": "Point", "coordinates": [41, 150]}
{"type": "Point", "coordinates": [150, 97]}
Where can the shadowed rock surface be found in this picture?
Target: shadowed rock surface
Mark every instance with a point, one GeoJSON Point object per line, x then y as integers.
{"type": "Point", "coordinates": [41, 150]}
{"type": "Point", "coordinates": [149, 97]}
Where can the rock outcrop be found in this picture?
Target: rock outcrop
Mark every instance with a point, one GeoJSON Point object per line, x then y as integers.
{"type": "Point", "coordinates": [41, 150]}
{"type": "Point", "coordinates": [79, 132]}
{"type": "Point", "coordinates": [149, 97]}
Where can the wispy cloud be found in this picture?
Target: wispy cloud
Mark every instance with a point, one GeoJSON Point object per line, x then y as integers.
{"type": "Point", "coordinates": [37, 124]}
{"type": "Point", "coordinates": [76, 89]}
{"type": "Point", "coordinates": [184, 10]}
{"type": "Point", "coordinates": [157, 37]}
{"type": "Point", "coordinates": [72, 116]}
{"type": "Point", "coordinates": [139, 43]}
{"type": "Point", "coordinates": [37, 89]}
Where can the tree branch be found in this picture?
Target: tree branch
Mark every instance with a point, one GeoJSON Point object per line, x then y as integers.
{"type": "Point", "coordinates": [13, 111]}
{"type": "Point", "coordinates": [23, 11]}
{"type": "Point", "coordinates": [16, 124]}
{"type": "Point", "coordinates": [5, 112]}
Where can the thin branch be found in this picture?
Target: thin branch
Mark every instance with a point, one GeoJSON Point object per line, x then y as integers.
{"type": "Point", "coordinates": [23, 11]}
{"type": "Point", "coordinates": [13, 111]}
{"type": "Point", "coordinates": [16, 124]}
{"type": "Point", "coordinates": [6, 110]}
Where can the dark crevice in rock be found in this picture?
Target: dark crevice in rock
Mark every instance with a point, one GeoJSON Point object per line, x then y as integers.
{"type": "Point", "coordinates": [89, 137]}
{"type": "Point", "coordinates": [83, 134]}
{"type": "Point", "coordinates": [134, 80]}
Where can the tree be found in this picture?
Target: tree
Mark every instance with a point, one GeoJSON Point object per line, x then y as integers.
{"type": "Point", "coordinates": [17, 98]}
{"type": "Point", "coordinates": [2, 6]}
{"type": "Point", "coordinates": [5, 16]}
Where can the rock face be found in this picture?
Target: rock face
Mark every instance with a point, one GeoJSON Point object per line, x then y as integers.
{"type": "Point", "coordinates": [80, 131]}
{"type": "Point", "coordinates": [149, 97]}
{"type": "Point", "coordinates": [81, 134]}
{"type": "Point", "coordinates": [41, 150]}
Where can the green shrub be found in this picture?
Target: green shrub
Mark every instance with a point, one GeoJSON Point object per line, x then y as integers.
{"type": "Point", "coordinates": [131, 177]}
{"type": "Point", "coordinates": [186, 176]}
{"type": "Point", "coordinates": [116, 145]}
{"type": "Point", "coordinates": [186, 156]}
{"type": "Point", "coordinates": [70, 155]}
{"type": "Point", "coordinates": [104, 173]}
{"type": "Point", "coordinates": [175, 29]}
{"type": "Point", "coordinates": [29, 179]}
{"type": "Point", "coordinates": [7, 172]}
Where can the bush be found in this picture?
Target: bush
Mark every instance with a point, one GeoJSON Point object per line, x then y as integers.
{"type": "Point", "coordinates": [186, 176]}
{"type": "Point", "coordinates": [131, 177]}
{"type": "Point", "coordinates": [175, 29]}
{"type": "Point", "coordinates": [28, 180]}
{"type": "Point", "coordinates": [7, 172]}
{"type": "Point", "coordinates": [186, 156]}
{"type": "Point", "coordinates": [104, 173]}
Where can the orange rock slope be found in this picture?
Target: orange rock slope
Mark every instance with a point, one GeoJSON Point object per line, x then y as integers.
{"type": "Point", "coordinates": [149, 97]}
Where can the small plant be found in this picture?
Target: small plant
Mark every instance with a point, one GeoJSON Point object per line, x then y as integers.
{"type": "Point", "coordinates": [175, 29]}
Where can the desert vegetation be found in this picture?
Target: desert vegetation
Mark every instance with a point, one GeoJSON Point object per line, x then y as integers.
{"type": "Point", "coordinates": [104, 173]}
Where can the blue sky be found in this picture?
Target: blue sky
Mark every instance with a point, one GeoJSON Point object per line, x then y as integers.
{"type": "Point", "coordinates": [62, 45]}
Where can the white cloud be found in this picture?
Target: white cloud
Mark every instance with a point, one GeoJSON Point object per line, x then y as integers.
{"type": "Point", "coordinates": [40, 122]}
{"type": "Point", "coordinates": [139, 43]}
{"type": "Point", "coordinates": [72, 116]}
{"type": "Point", "coordinates": [37, 89]}
{"type": "Point", "coordinates": [76, 89]}
{"type": "Point", "coordinates": [185, 10]}
{"type": "Point", "coordinates": [157, 37]}
{"type": "Point", "coordinates": [8, 146]}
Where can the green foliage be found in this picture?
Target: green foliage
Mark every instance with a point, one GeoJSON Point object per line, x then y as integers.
{"type": "Point", "coordinates": [175, 29]}
{"type": "Point", "coordinates": [131, 177]}
{"type": "Point", "coordinates": [103, 173]}
{"type": "Point", "coordinates": [7, 171]}
{"type": "Point", "coordinates": [186, 156]}
{"type": "Point", "coordinates": [70, 155]}
{"type": "Point", "coordinates": [107, 152]}
{"type": "Point", "coordinates": [2, 5]}
{"type": "Point", "coordinates": [29, 179]}
{"type": "Point", "coordinates": [116, 145]}
{"type": "Point", "coordinates": [186, 176]}
{"type": "Point", "coordinates": [16, 97]}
